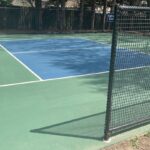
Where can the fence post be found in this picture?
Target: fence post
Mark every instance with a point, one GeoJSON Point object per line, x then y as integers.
{"type": "Point", "coordinates": [107, 132]}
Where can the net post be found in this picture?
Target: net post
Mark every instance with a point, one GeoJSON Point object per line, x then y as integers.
{"type": "Point", "coordinates": [107, 132]}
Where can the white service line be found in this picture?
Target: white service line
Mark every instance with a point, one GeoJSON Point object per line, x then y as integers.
{"type": "Point", "coordinates": [53, 79]}
{"type": "Point", "coordinates": [69, 77]}
{"type": "Point", "coordinates": [6, 50]}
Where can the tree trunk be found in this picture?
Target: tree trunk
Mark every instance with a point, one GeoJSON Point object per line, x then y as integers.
{"type": "Point", "coordinates": [81, 14]}
{"type": "Point", "coordinates": [31, 3]}
{"type": "Point", "coordinates": [62, 15]}
{"type": "Point", "coordinates": [57, 15]}
{"type": "Point", "coordinates": [38, 3]}
{"type": "Point", "coordinates": [135, 2]}
{"type": "Point", "coordinates": [121, 2]}
{"type": "Point", "coordinates": [113, 5]}
{"type": "Point", "coordinates": [93, 15]}
{"type": "Point", "coordinates": [148, 3]}
{"type": "Point", "coordinates": [104, 15]}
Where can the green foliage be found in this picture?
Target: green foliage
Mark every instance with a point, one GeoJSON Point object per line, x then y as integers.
{"type": "Point", "coordinates": [5, 2]}
{"type": "Point", "coordinates": [38, 3]}
{"type": "Point", "coordinates": [89, 3]}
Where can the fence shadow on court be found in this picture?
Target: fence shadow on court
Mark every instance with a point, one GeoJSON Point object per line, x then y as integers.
{"type": "Point", "coordinates": [88, 127]}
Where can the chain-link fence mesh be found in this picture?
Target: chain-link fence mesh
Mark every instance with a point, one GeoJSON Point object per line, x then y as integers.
{"type": "Point", "coordinates": [129, 85]}
{"type": "Point", "coordinates": [30, 19]}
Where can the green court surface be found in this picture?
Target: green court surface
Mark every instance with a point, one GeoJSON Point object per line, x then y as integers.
{"type": "Point", "coordinates": [32, 106]}
{"type": "Point", "coordinates": [11, 71]}
{"type": "Point", "coordinates": [66, 114]}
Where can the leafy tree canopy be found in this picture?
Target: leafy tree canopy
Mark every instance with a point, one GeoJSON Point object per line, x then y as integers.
{"type": "Point", "coordinates": [5, 2]}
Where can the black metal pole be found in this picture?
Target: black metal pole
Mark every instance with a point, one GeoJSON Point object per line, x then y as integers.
{"type": "Point", "coordinates": [107, 132]}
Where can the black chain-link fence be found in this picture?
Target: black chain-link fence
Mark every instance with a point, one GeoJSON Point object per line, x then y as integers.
{"type": "Point", "coordinates": [29, 19]}
{"type": "Point", "coordinates": [129, 82]}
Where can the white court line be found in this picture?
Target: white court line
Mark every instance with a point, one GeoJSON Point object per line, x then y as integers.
{"type": "Point", "coordinates": [53, 79]}
{"type": "Point", "coordinates": [132, 50]}
{"type": "Point", "coordinates": [69, 77]}
{"type": "Point", "coordinates": [6, 50]}
{"type": "Point", "coordinates": [47, 38]}
{"type": "Point", "coordinates": [36, 38]}
{"type": "Point", "coordinates": [106, 45]}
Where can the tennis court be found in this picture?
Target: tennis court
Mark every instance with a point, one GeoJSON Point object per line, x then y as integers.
{"type": "Point", "coordinates": [34, 101]}
{"type": "Point", "coordinates": [54, 89]}
{"type": "Point", "coordinates": [67, 57]}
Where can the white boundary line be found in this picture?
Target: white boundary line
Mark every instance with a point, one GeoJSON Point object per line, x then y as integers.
{"type": "Point", "coordinates": [53, 79]}
{"type": "Point", "coordinates": [106, 45]}
{"type": "Point", "coordinates": [132, 51]}
{"type": "Point", "coordinates": [69, 77]}
{"type": "Point", "coordinates": [47, 38]}
{"type": "Point", "coordinates": [35, 38]}
{"type": "Point", "coordinates": [6, 50]}
{"type": "Point", "coordinates": [19, 83]}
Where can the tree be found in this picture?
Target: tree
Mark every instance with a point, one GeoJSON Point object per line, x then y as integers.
{"type": "Point", "coordinates": [31, 3]}
{"type": "Point", "coordinates": [5, 2]}
{"type": "Point", "coordinates": [56, 4]}
{"type": "Point", "coordinates": [134, 2]}
{"type": "Point", "coordinates": [104, 14]}
{"type": "Point", "coordinates": [62, 25]}
{"type": "Point", "coordinates": [148, 3]}
{"type": "Point", "coordinates": [60, 12]}
{"type": "Point", "coordinates": [81, 13]}
{"type": "Point", "coordinates": [38, 3]}
{"type": "Point", "coordinates": [93, 14]}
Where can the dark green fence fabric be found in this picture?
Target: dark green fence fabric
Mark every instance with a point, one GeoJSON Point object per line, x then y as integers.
{"type": "Point", "coordinates": [47, 19]}
{"type": "Point", "coordinates": [129, 82]}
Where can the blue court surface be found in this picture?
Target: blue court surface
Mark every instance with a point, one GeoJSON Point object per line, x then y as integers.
{"type": "Point", "coordinates": [58, 58]}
